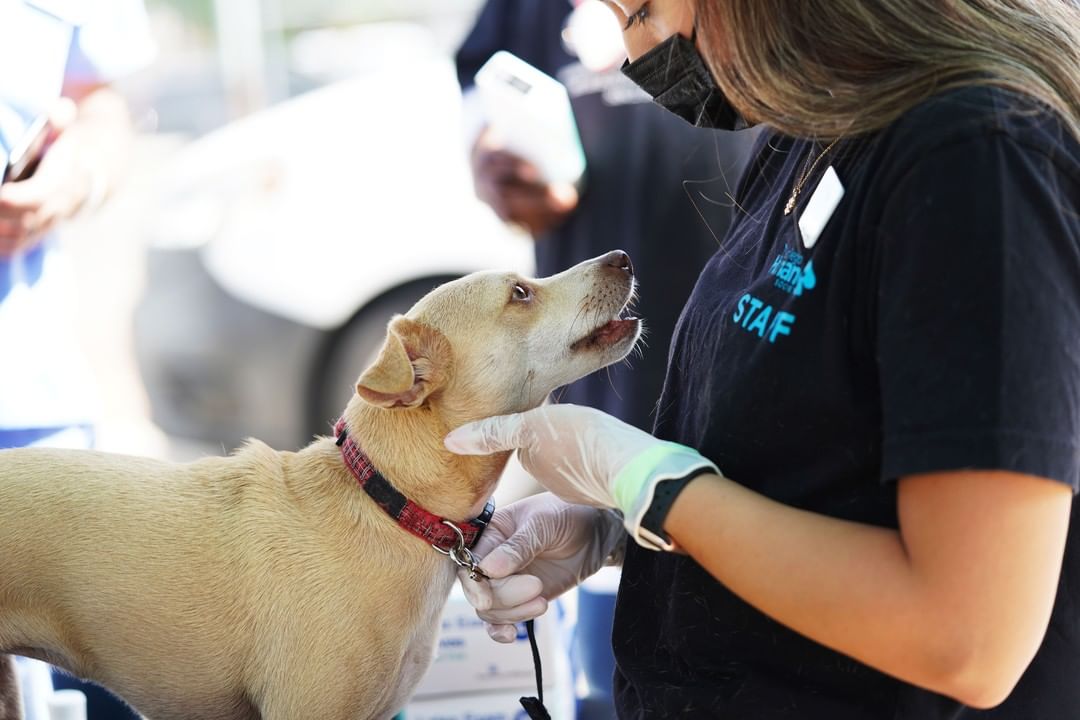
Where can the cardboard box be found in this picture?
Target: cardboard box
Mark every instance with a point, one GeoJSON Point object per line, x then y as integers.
{"type": "Point", "coordinates": [485, 706]}
{"type": "Point", "coordinates": [468, 661]}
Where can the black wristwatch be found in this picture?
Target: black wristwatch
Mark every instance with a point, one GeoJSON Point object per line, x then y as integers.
{"type": "Point", "coordinates": [663, 498]}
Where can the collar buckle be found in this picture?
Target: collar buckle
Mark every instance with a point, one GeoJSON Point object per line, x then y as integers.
{"type": "Point", "coordinates": [461, 555]}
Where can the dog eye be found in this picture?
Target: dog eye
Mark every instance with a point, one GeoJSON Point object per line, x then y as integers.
{"type": "Point", "coordinates": [520, 293]}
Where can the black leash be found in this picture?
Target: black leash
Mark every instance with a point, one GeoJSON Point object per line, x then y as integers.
{"type": "Point", "coordinates": [534, 706]}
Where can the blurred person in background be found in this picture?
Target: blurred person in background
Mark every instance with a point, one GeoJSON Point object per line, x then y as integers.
{"type": "Point", "coordinates": [654, 186]}
{"type": "Point", "coordinates": [57, 61]}
{"type": "Point", "coordinates": [666, 203]}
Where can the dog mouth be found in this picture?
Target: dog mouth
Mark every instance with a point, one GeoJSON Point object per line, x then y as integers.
{"type": "Point", "coordinates": [612, 333]}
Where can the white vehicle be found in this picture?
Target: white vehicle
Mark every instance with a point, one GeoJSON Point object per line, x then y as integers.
{"type": "Point", "coordinates": [285, 241]}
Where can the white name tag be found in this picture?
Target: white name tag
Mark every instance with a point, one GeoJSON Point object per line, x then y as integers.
{"type": "Point", "coordinates": [826, 197]}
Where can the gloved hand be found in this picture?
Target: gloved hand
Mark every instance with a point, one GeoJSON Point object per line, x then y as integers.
{"type": "Point", "coordinates": [535, 550]}
{"type": "Point", "coordinates": [586, 456]}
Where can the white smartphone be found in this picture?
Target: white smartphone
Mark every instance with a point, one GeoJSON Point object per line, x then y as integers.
{"type": "Point", "coordinates": [531, 112]}
{"type": "Point", "coordinates": [26, 154]}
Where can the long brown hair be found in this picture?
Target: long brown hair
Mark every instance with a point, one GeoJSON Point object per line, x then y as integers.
{"type": "Point", "coordinates": [824, 68]}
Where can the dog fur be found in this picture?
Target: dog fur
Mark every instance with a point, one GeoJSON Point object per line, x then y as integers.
{"type": "Point", "coordinates": [268, 585]}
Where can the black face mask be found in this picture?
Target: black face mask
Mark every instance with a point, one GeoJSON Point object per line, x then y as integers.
{"type": "Point", "coordinates": [675, 75]}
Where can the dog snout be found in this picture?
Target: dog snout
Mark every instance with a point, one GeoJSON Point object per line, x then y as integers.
{"type": "Point", "coordinates": [618, 261]}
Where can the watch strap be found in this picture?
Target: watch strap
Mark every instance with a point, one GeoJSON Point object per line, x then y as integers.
{"type": "Point", "coordinates": [663, 497]}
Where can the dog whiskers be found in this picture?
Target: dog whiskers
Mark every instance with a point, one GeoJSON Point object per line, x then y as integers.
{"type": "Point", "coordinates": [583, 309]}
{"type": "Point", "coordinates": [611, 382]}
{"type": "Point", "coordinates": [559, 392]}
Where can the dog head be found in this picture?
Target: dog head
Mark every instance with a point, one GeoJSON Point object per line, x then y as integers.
{"type": "Point", "coordinates": [492, 343]}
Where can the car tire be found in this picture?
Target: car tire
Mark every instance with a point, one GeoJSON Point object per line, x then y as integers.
{"type": "Point", "coordinates": [349, 350]}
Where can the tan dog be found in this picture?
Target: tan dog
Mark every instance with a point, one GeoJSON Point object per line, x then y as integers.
{"type": "Point", "coordinates": [269, 584]}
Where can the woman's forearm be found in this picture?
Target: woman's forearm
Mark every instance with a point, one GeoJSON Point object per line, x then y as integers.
{"type": "Point", "coordinates": [862, 591]}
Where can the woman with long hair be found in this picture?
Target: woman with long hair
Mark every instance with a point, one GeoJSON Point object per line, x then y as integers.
{"type": "Point", "coordinates": [856, 499]}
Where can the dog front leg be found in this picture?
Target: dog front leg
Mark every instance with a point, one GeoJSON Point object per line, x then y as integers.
{"type": "Point", "coordinates": [10, 701]}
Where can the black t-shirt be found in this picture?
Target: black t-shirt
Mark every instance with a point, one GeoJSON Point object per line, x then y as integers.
{"type": "Point", "coordinates": [655, 187]}
{"type": "Point", "coordinates": [934, 325]}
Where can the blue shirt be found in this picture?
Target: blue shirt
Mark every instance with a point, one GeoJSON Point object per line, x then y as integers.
{"type": "Point", "coordinates": [43, 380]}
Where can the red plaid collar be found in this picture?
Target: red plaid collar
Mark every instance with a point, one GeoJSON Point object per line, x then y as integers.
{"type": "Point", "coordinates": [443, 534]}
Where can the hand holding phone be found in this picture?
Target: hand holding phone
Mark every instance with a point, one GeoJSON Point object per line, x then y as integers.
{"type": "Point", "coordinates": [531, 113]}
{"type": "Point", "coordinates": [43, 183]}
{"type": "Point", "coordinates": [516, 190]}
{"type": "Point", "coordinates": [28, 151]}
{"type": "Point", "coordinates": [26, 154]}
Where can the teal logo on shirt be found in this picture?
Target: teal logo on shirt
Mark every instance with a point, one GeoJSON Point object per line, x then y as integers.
{"type": "Point", "coordinates": [791, 276]}
{"type": "Point", "coordinates": [756, 316]}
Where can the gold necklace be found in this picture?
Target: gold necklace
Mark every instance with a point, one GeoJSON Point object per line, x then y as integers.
{"type": "Point", "coordinates": [807, 171]}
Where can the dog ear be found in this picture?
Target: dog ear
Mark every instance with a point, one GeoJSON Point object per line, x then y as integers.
{"type": "Point", "coordinates": [412, 364]}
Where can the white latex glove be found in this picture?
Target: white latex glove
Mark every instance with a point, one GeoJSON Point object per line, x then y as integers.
{"type": "Point", "coordinates": [586, 456]}
{"type": "Point", "coordinates": [535, 550]}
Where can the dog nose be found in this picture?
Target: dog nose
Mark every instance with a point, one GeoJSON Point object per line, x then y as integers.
{"type": "Point", "coordinates": [618, 260]}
